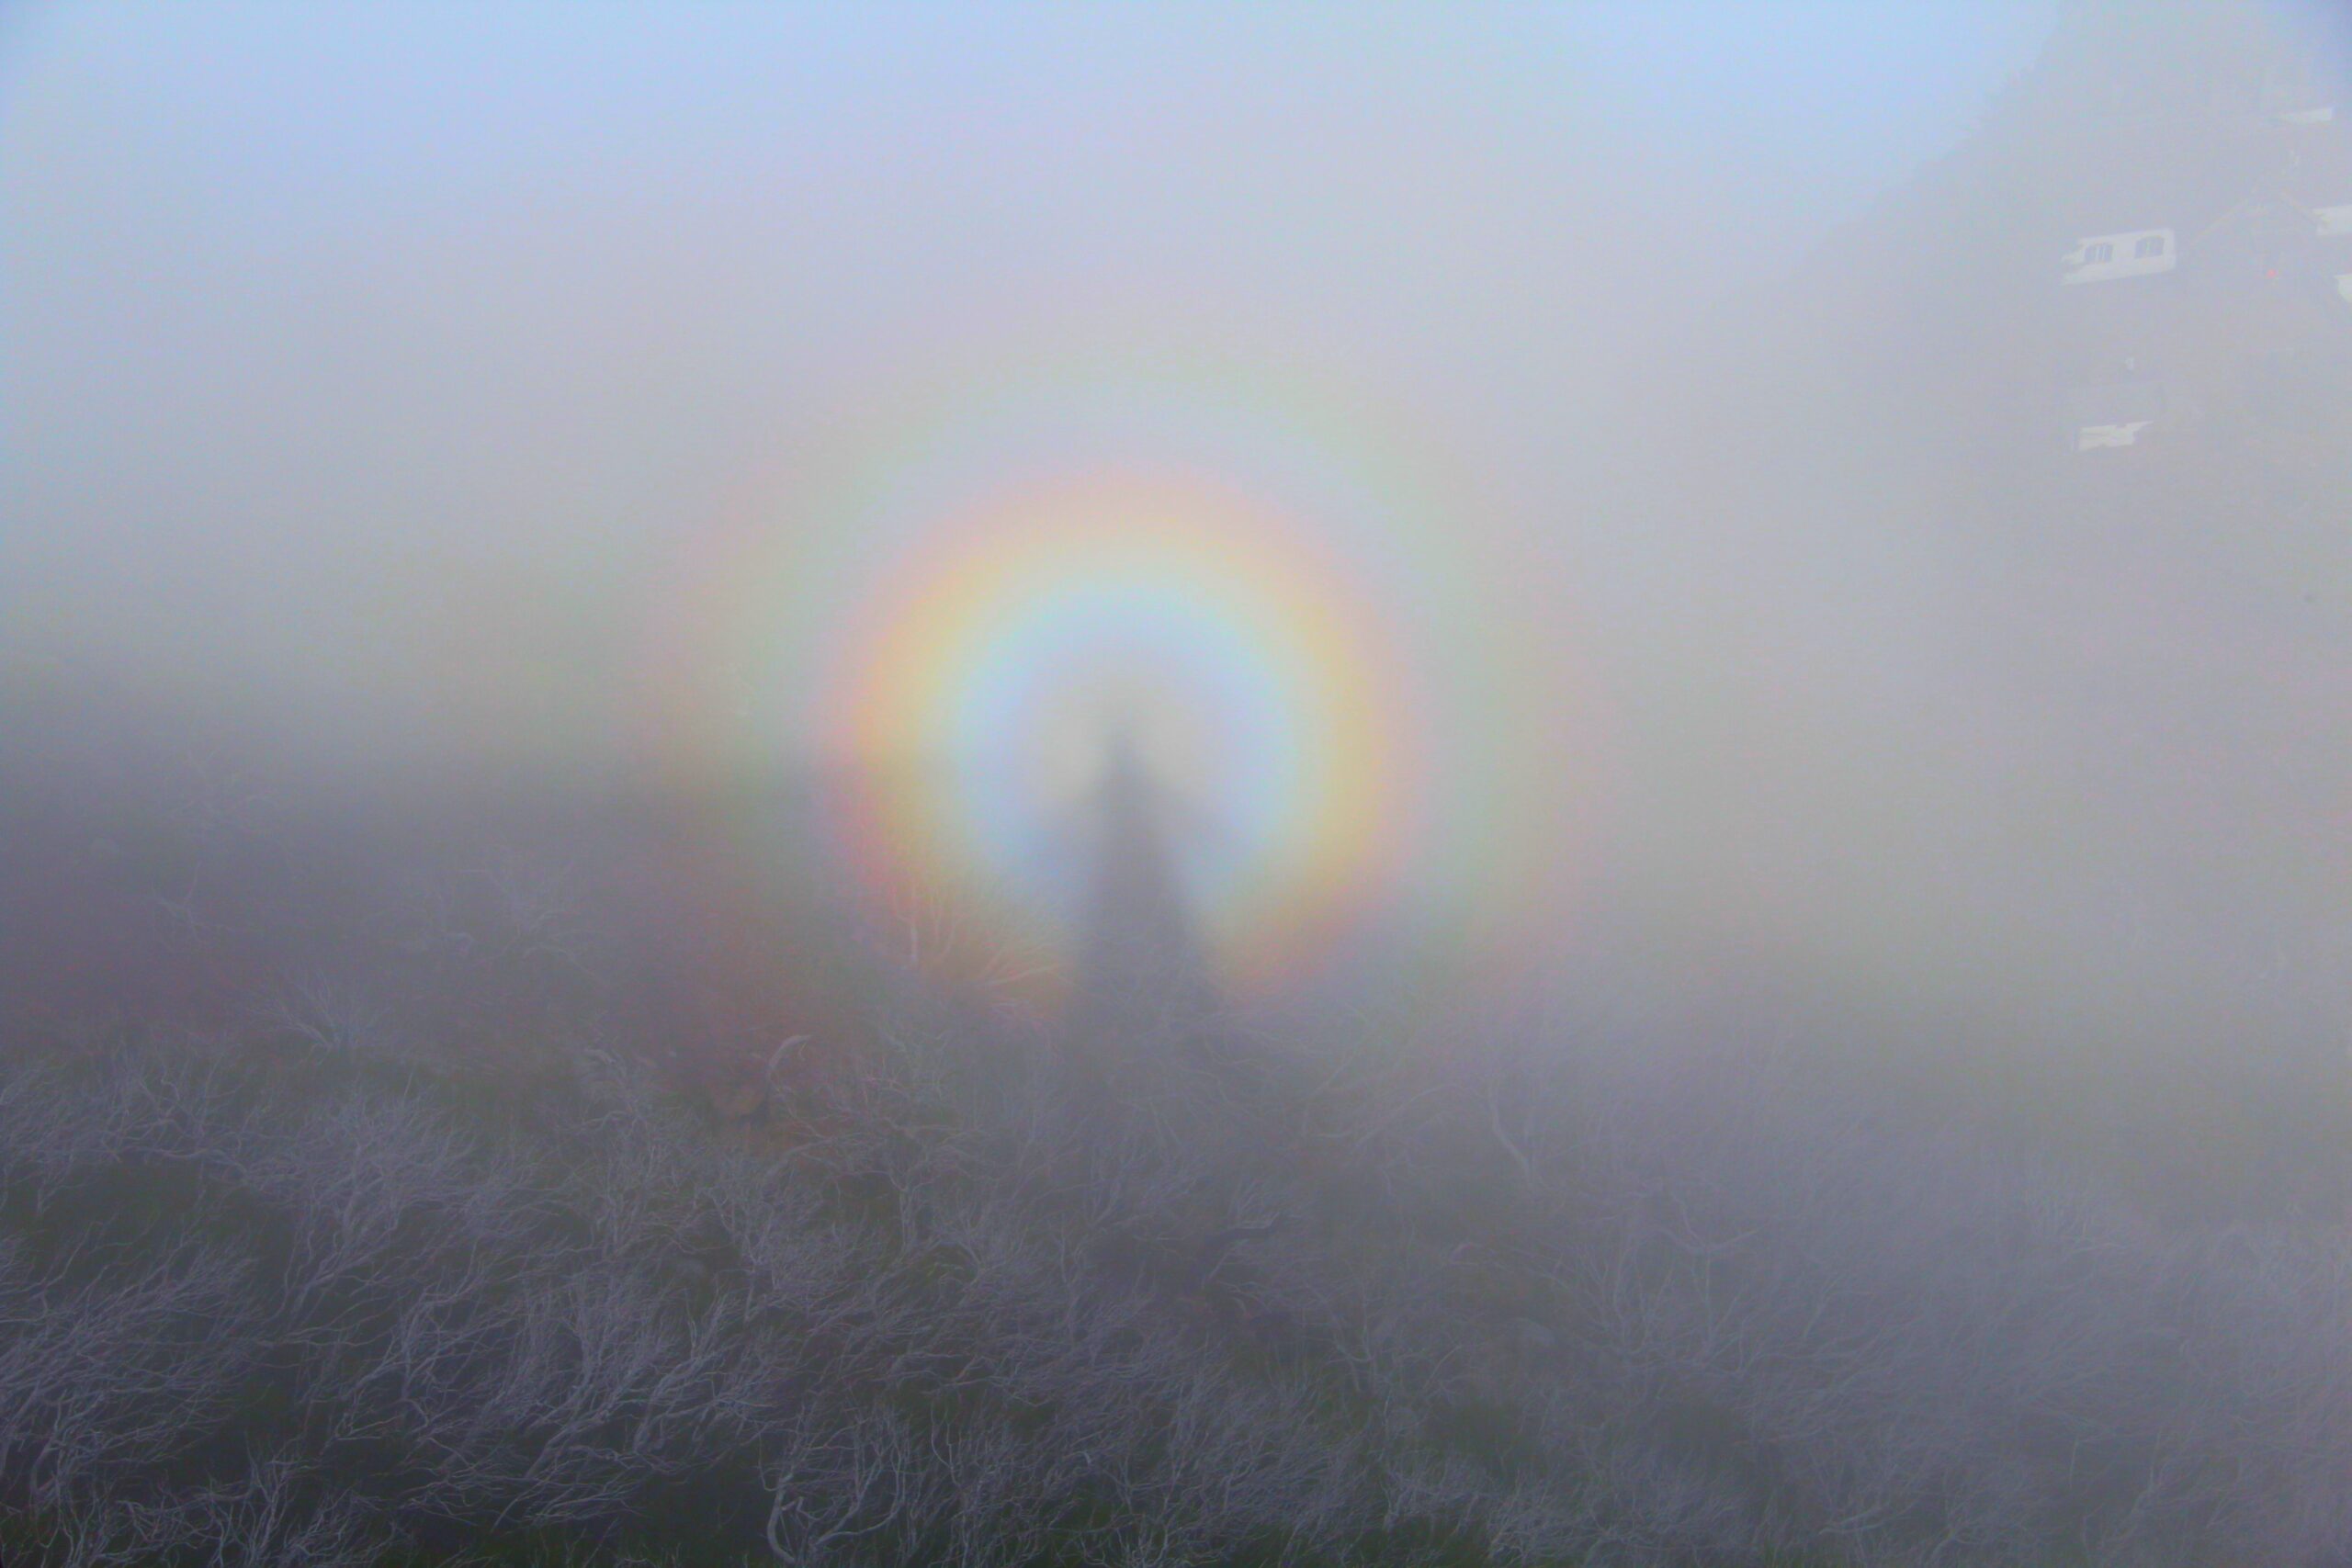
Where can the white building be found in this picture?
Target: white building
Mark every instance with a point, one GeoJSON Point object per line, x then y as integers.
{"type": "Point", "coordinates": [2133, 252]}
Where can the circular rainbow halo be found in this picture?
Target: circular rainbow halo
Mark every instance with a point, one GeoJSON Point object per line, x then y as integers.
{"type": "Point", "coordinates": [1368, 747]}
{"type": "Point", "coordinates": [1241, 662]}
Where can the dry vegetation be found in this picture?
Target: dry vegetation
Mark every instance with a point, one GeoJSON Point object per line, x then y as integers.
{"type": "Point", "coordinates": [319, 1286]}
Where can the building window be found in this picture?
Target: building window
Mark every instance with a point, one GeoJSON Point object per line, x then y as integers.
{"type": "Point", "coordinates": [2093, 255]}
{"type": "Point", "coordinates": [2150, 245]}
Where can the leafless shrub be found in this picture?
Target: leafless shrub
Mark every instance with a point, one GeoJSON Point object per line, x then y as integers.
{"type": "Point", "coordinates": [829, 1494]}
{"type": "Point", "coordinates": [99, 1531]}
{"type": "Point", "coordinates": [333, 1018]}
{"type": "Point", "coordinates": [276, 1516]}
{"type": "Point", "coordinates": [105, 1363]}
{"type": "Point", "coordinates": [510, 909]}
{"type": "Point", "coordinates": [944, 940]}
{"type": "Point", "coordinates": [955, 1331]}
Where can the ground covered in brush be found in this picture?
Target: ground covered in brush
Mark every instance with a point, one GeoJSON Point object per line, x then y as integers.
{"type": "Point", "coordinates": [294, 1292]}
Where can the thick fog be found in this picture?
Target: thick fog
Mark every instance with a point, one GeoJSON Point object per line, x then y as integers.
{"type": "Point", "coordinates": [1152, 784]}
{"type": "Point", "coordinates": [373, 381]}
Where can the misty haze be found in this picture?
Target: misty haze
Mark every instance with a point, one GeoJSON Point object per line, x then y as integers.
{"type": "Point", "coordinates": [1141, 785]}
